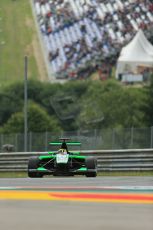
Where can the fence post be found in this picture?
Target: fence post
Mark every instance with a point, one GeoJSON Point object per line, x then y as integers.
{"type": "Point", "coordinates": [151, 136]}
{"type": "Point", "coordinates": [30, 141]}
{"type": "Point", "coordinates": [2, 140]}
{"type": "Point", "coordinates": [16, 143]}
{"type": "Point", "coordinates": [132, 135]}
{"type": "Point", "coordinates": [25, 103]}
{"type": "Point", "coordinates": [113, 138]}
{"type": "Point", "coordinates": [46, 141]}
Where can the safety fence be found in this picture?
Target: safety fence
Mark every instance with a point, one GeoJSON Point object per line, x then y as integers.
{"type": "Point", "coordinates": [108, 160]}
{"type": "Point", "coordinates": [129, 138]}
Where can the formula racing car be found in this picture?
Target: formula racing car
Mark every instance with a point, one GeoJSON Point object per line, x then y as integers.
{"type": "Point", "coordinates": [62, 162]}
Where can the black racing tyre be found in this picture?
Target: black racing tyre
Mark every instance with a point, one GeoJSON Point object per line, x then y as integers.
{"type": "Point", "coordinates": [91, 163]}
{"type": "Point", "coordinates": [33, 164]}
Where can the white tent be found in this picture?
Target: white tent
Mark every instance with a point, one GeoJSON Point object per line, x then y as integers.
{"type": "Point", "coordinates": [139, 52]}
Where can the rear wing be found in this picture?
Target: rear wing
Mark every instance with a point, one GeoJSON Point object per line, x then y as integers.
{"type": "Point", "coordinates": [67, 143]}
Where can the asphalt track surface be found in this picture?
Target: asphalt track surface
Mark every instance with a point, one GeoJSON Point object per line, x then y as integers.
{"type": "Point", "coordinates": [102, 203]}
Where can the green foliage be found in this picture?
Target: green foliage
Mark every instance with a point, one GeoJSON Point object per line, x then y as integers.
{"type": "Point", "coordinates": [38, 121]}
{"type": "Point", "coordinates": [112, 105]}
{"type": "Point", "coordinates": [15, 124]}
{"type": "Point", "coordinates": [67, 101]}
{"type": "Point", "coordinates": [11, 101]}
{"type": "Point", "coordinates": [94, 105]}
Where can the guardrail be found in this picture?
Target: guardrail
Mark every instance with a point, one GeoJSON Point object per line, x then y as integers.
{"type": "Point", "coordinates": [108, 160]}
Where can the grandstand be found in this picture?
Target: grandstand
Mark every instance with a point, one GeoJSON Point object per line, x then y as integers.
{"type": "Point", "coordinates": [82, 36]}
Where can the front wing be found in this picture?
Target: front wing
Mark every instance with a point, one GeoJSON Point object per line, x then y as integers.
{"type": "Point", "coordinates": [80, 171]}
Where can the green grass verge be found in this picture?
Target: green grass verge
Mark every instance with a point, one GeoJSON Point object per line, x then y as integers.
{"type": "Point", "coordinates": [17, 31]}
{"type": "Point", "coordinates": [24, 174]}
{"type": "Point", "coordinates": [126, 173]}
{"type": "Point", "coordinates": [13, 174]}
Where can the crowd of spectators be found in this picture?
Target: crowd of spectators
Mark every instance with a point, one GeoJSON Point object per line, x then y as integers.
{"type": "Point", "coordinates": [81, 36]}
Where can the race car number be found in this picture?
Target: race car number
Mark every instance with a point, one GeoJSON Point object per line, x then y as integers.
{"type": "Point", "coordinates": [62, 158]}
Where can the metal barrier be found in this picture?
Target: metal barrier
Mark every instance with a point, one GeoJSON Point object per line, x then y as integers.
{"type": "Point", "coordinates": [108, 160]}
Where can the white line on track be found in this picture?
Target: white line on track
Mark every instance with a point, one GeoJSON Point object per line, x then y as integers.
{"type": "Point", "coordinates": [138, 188]}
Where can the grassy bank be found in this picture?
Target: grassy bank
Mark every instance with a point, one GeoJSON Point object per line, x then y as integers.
{"type": "Point", "coordinates": [18, 38]}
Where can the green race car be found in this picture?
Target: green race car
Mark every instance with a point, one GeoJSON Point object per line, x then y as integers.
{"type": "Point", "coordinates": [62, 162]}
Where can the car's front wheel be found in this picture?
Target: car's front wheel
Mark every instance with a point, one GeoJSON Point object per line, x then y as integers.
{"type": "Point", "coordinates": [33, 165]}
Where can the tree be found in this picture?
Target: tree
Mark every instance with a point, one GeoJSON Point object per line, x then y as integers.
{"type": "Point", "coordinates": [111, 105]}
{"type": "Point", "coordinates": [38, 121]}
{"type": "Point", "coordinates": [8, 106]}
{"type": "Point", "coordinates": [66, 103]}
{"type": "Point", "coordinates": [84, 104]}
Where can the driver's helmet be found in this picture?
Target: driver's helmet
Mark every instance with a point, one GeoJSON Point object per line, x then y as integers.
{"type": "Point", "coordinates": [62, 151]}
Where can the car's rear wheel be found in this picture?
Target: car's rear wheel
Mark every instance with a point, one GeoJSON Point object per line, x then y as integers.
{"type": "Point", "coordinates": [33, 164]}
{"type": "Point", "coordinates": [91, 164]}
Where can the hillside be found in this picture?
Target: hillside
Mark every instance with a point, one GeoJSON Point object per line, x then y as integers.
{"type": "Point", "coordinates": [18, 37]}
